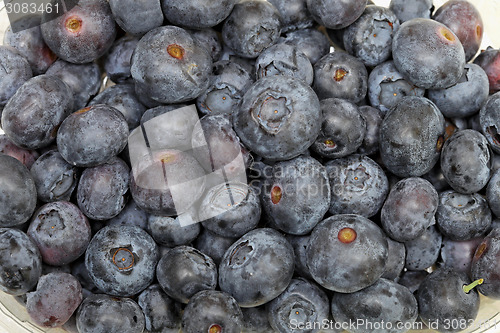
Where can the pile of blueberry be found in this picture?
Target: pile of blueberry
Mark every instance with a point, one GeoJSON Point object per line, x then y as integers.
{"type": "Point", "coordinates": [371, 169]}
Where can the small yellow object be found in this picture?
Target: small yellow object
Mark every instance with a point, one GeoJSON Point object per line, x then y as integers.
{"type": "Point", "coordinates": [467, 288]}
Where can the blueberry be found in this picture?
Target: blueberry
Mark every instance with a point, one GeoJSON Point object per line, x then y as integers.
{"type": "Point", "coordinates": [158, 111]}
{"type": "Point", "coordinates": [465, 161]}
{"type": "Point", "coordinates": [299, 245]}
{"type": "Point", "coordinates": [296, 195]}
{"type": "Point", "coordinates": [82, 34]}
{"type": "Point", "coordinates": [442, 299]}
{"type": "Point", "coordinates": [17, 192]}
{"type": "Point", "coordinates": [406, 148]}
{"type": "Point", "coordinates": [122, 97]}
{"type": "Point", "coordinates": [29, 42]}
{"type": "Point", "coordinates": [106, 314]}
{"type": "Point", "coordinates": [102, 189]}
{"type": "Point", "coordinates": [428, 54]}
{"type": "Point", "coordinates": [84, 80]}
{"type": "Point", "coordinates": [336, 14]}
{"type": "Point", "coordinates": [15, 72]}
{"type": "Point", "coordinates": [169, 65]}
{"type": "Point", "coordinates": [347, 253]}
{"type": "Point", "coordinates": [160, 311]}
{"type": "Point", "coordinates": [301, 302]}
{"type": "Point", "coordinates": [489, 60]}
{"type": "Point", "coordinates": [458, 255]}
{"type": "Point", "coordinates": [395, 261]}
{"type": "Point", "coordinates": [278, 118]}
{"type": "Point", "coordinates": [423, 251]}
{"type": "Point", "coordinates": [213, 245]}
{"type": "Point", "coordinates": [57, 296]}
{"type": "Point", "coordinates": [283, 59]}
{"type": "Point", "coordinates": [228, 84]}
{"type": "Point", "coordinates": [373, 119]}
{"type": "Point", "coordinates": [168, 231]}
{"type": "Point", "coordinates": [153, 192]}
{"type": "Point", "coordinates": [465, 21]}
{"type": "Point", "coordinates": [383, 302]}
{"type": "Point", "coordinates": [485, 264]}
{"type": "Point", "coordinates": [216, 146]}
{"type": "Point", "coordinates": [230, 209]}
{"type": "Point", "coordinates": [386, 87]}
{"type": "Point", "coordinates": [197, 14]}
{"type": "Point", "coordinates": [311, 42]}
{"type": "Point", "coordinates": [493, 193]}
{"type": "Point", "coordinates": [257, 267]}
{"type": "Point", "coordinates": [54, 178]}
{"type": "Point", "coordinates": [251, 27]}
{"type": "Point", "coordinates": [79, 271]}
{"type": "Point", "coordinates": [32, 116]}
{"type": "Point", "coordinates": [358, 185]}
{"type": "Point", "coordinates": [61, 232]}
{"type": "Point", "coordinates": [294, 14]}
{"type": "Point", "coordinates": [210, 39]}
{"type": "Point", "coordinates": [92, 136]}
{"type": "Point", "coordinates": [117, 60]}
{"type": "Point", "coordinates": [131, 215]}
{"type": "Point", "coordinates": [343, 128]}
{"type": "Point", "coordinates": [466, 97]}
{"type": "Point", "coordinates": [340, 75]}
{"type": "Point", "coordinates": [409, 209]}
{"type": "Point", "coordinates": [412, 279]}
{"type": "Point", "coordinates": [121, 260]}
{"type": "Point", "coordinates": [463, 216]}
{"type": "Point", "coordinates": [184, 271]}
{"type": "Point", "coordinates": [25, 156]}
{"type": "Point", "coordinates": [489, 120]}
{"type": "Point", "coordinates": [406, 10]}
{"type": "Point", "coordinates": [212, 311]}
{"type": "Point", "coordinates": [369, 38]}
{"type": "Point", "coordinates": [255, 320]}
{"type": "Point", "coordinates": [20, 262]}
{"type": "Point", "coordinates": [137, 17]}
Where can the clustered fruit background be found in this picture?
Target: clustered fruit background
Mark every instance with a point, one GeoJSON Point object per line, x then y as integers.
{"type": "Point", "coordinates": [406, 195]}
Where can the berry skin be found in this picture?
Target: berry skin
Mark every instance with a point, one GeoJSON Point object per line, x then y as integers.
{"type": "Point", "coordinates": [347, 253]}
{"type": "Point", "coordinates": [82, 34]}
{"type": "Point", "coordinates": [213, 312]}
{"type": "Point", "coordinates": [102, 189]}
{"type": "Point", "coordinates": [278, 118]}
{"type": "Point", "coordinates": [407, 150]}
{"type": "Point", "coordinates": [428, 54]}
{"type": "Point", "coordinates": [92, 136]}
{"type": "Point", "coordinates": [100, 313]}
{"type": "Point", "coordinates": [57, 296]}
{"type": "Point", "coordinates": [240, 271]}
{"type": "Point", "coordinates": [197, 14]}
{"type": "Point", "coordinates": [336, 14]}
{"type": "Point", "coordinates": [20, 262]}
{"type": "Point", "coordinates": [32, 116]}
{"type": "Point", "coordinates": [385, 301]}
{"type": "Point", "coordinates": [184, 271]}
{"type": "Point", "coordinates": [358, 185]}
{"type": "Point", "coordinates": [61, 232]}
{"type": "Point", "coordinates": [296, 195]}
{"type": "Point", "coordinates": [465, 161]}
{"type": "Point", "coordinates": [251, 27]}
{"type": "Point", "coordinates": [465, 21]}
{"type": "Point", "coordinates": [15, 71]}
{"type": "Point", "coordinates": [17, 192]}
{"type": "Point", "coordinates": [170, 66]}
{"type": "Point", "coordinates": [409, 209]}
{"type": "Point", "coordinates": [121, 260]}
